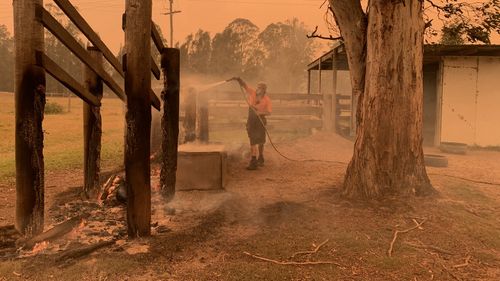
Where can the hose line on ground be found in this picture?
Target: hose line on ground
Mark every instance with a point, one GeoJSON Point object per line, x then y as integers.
{"type": "Point", "coordinates": [271, 140]}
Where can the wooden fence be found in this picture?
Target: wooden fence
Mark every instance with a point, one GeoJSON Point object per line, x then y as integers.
{"type": "Point", "coordinates": [292, 113]}
{"type": "Point", "coordinates": [31, 65]}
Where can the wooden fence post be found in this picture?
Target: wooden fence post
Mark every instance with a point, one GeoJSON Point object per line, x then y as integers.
{"type": "Point", "coordinates": [203, 134]}
{"type": "Point", "coordinates": [30, 105]}
{"type": "Point", "coordinates": [138, 116]}
{"type": "Point", "coordinates": [92, 129]}
{"type": "Point", "coordinates": [170, 65]}
{"type": "Point", "coordinates": [189, 123]}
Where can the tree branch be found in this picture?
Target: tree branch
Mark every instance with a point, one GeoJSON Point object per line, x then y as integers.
{"type": "Point", "coordinates": [315, 35]}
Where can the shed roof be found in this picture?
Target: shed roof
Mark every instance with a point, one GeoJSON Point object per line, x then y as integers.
{"type": "Point", "coordinates": [432, 53]}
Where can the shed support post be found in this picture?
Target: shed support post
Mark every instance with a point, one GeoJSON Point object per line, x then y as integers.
{"type": "Point", "coordinates": [335, 101]}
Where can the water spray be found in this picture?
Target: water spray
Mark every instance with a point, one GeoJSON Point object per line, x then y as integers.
{"type": "Point", "coordinates": [204, 88]}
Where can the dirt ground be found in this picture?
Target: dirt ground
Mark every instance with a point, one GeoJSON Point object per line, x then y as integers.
{"type": "Point", "coordinates": [274, 213]}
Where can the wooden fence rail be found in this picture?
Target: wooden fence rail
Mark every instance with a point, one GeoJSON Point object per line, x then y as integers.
{"type": "Point", "coordinates": [65, 78]}
{"type": "Point", "coordinates": [78, 50]}
{"type": "Point", "coordinates": [227, 110]}
{"type": "Point", "coordinates": [155, 34]}
{"type": "Point", "coordinates": [291, 111]}
{"type": "Point", "coordinates": [67, 39]}
{"type": "Point", "coordinates": [85, 28]}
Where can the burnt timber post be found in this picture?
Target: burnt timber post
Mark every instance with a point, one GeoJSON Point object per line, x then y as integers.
{"type": "Point", "coordinates": [92, 128]}
{"type": "Point", "coordinates": [203, 134]}
{"type": "Point", "coordinates": [189, 122]}
{"type": "Point", "coordinates": [170, 65]}
{"type": "Point", "coordinates": [138, 116]}
{"type": "Point", "coordinates": [30, 105]}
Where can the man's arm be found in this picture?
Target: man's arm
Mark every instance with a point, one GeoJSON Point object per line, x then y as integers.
{"type": "Point", "coordinates": [243, 84]}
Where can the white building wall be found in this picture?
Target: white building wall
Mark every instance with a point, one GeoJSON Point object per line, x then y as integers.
{"type": "Point", "coordinates": [488, 102]}
{"type": "Point", "coordinates": [470, 100]}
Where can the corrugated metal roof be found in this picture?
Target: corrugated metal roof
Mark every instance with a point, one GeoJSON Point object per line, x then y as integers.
{"type": "Point", "coordinates": [432, 52]}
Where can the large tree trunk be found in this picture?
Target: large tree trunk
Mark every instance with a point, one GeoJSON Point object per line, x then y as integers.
{"type": "Point", "coordinates": [352, 21]}
{"type": "Point", "coordinates": [388, 155]}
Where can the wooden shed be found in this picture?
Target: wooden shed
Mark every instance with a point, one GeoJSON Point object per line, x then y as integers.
{"type": "Point", "coordinates": [461, 92]}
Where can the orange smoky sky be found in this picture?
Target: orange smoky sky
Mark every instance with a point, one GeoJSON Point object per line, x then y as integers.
{"type": "Point", "coordinates": [210, 15]}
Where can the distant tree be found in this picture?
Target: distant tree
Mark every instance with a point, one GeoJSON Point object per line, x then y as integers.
{"type": "Point", "coordinates": [7, 60]}
{"type": "Point", "coordinates": [196, 52]}
{"type": "Point", "coordinates": [474, 20]}
{"type": "Point", "coordinates": [236, 51]}
{"type": "Point", "coordinates": [286, 51]}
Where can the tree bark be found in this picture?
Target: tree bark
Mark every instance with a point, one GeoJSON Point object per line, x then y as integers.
{"type": "Point", "coordinates": [352, 22]}
{"type": "Point", "coordinates": [30, 105]}
{"type": "Point", "coordinates": [388, 154]}
{"type": "Point", "coordinates": [138, 116]}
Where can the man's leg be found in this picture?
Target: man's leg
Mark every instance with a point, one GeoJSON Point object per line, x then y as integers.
{"type": "Point", "coordinates": [255, 152]}
{"type": "Point", "coordinates": [260, 160]}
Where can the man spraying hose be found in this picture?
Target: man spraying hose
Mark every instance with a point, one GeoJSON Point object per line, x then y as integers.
{"type": "Point", "coordinates": [259, 107]}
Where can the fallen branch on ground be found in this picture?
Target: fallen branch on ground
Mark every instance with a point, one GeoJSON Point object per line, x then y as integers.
{"type": "Point", "coordinates": [466, 263]}
{"type": "Point", "coordinates": [416, 222]}
{"type": "Point", "coordinates": [310, 252]}
{"type": "Point", "coordinates": [396, 232]}
{"type": "Point", "coordinates": [291, 262]}
{"type": "Point", "coordinates": [465, 179]}
{"type": "Point", "coordinates": [51, 234]}
{"type": "Point", "coordinates": [105, 188]}
{"type": "Point", "coordinates": [429, 247]}
{"type": "Point", "coordinates": [450, 273]}
{"type": "Point", "coordinates": [82, 251]}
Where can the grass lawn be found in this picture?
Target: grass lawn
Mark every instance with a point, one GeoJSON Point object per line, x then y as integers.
{"type": "Point", "coordinates": [63, 138]}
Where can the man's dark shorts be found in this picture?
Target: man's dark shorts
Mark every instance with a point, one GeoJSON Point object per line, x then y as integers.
{"type": "Point", "coordinates": [256, 132]}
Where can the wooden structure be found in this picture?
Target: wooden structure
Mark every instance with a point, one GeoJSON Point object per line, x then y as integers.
{"type": "Point", "coordinates": [201, 167]}
{"type": "Point", "coordinates": [292, 113]}
{"type": "Point", "coordinates": [170, 64]}
{"type": "Point", "coordinates": [337, 105]}
{"type": "Point", "coordinates": [459, 83]}
{"type": "Point", "coordinates": [92, 128]}
{"type": "Point", "coordinates": [30, 18]}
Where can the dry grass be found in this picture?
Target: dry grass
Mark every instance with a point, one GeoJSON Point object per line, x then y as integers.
{"type": "Point", "coordinates": [63, 144]}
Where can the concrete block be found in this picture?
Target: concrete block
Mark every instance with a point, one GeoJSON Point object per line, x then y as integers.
{"type": "Point", "coordinates": [201, 167]}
